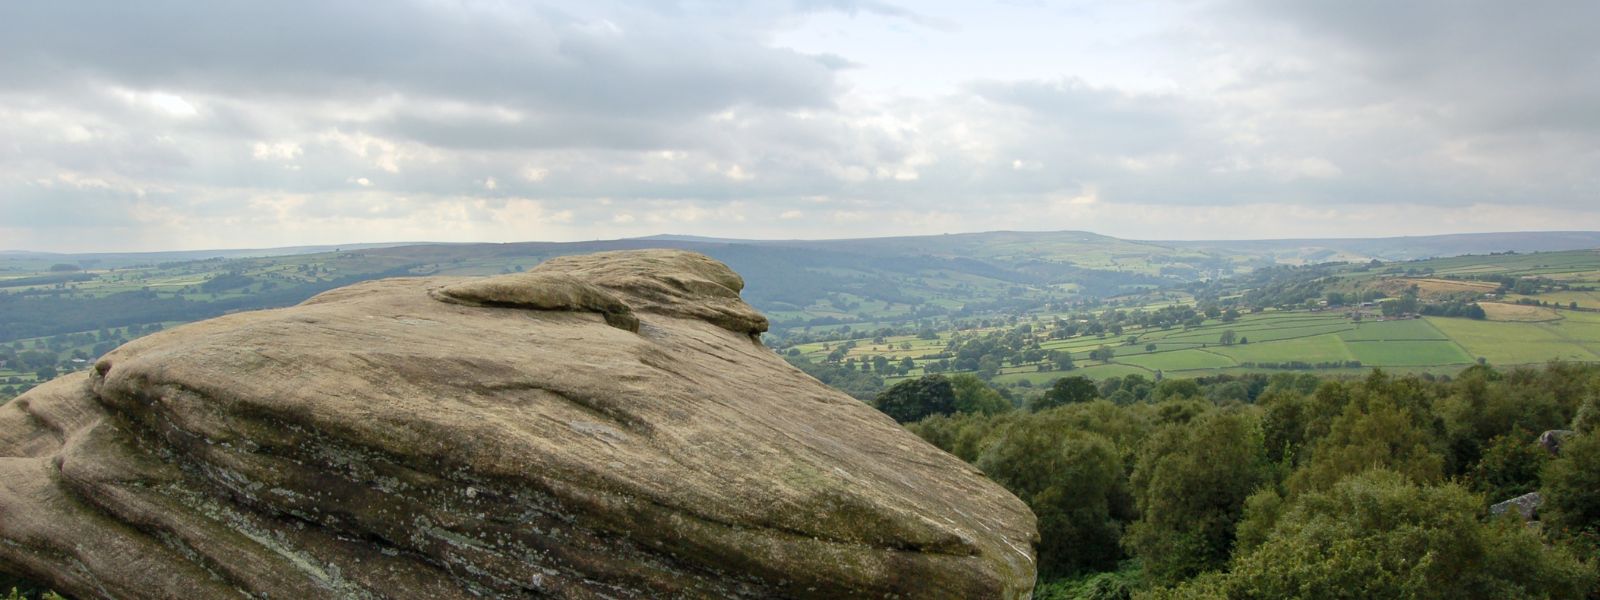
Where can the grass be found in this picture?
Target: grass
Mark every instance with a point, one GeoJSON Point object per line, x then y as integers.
{"type": "Point", "coordinates": [1508, 343]}
{"type": "Point", "coordinates": [1409, 329]}
{"type": "Point", "coordinates": [1180, 360]}
{"type": "Point", "coordinates": [1408, 353]}
{"type": "Point", "coordinates": [1312, 349]}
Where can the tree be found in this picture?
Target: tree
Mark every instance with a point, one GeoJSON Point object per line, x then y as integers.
{"type": "Point", "coordinates": [1406, 305]}
{"type": "Point", "coordinates": [975, 396]}
{"type": "Point", "coordinates": [1376, 432]}
{"type": "Point", "coordinates": [1380, 535]}
{"type": "Point", "coordinates": [1171, 389]}
{"type": "Point", "coordinates": [1228, 337]}
{"type": "Point", "coordinates": [1509, 467]}
{"type": "Point", "coordinates": [1072, 479]}
{"type": "Point", "coordinates": [1067, 390]}
{"type": "Point", "coordinates": [913, 399]}
{"type": "Point", "coordinates": [1572, 486]}
{"type": "Point", "coordinates": [1102, 354]}
{"type": "Point", "coordinates": [988, 365]}
{"type": "Point", "coordinates": [1062, 360]}
{"type": "Point", "coordinates": [1150, 347]}
{"type": "Point", "coordinates": [36, 359]}
{"type": "Point", "coordinates": [1190, 484]}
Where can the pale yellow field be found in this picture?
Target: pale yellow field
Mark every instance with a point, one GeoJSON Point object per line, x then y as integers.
{"type": "Point", "coordinates": [1428, 287]}
{"type": "Point", "coordinates": [1499, 311]}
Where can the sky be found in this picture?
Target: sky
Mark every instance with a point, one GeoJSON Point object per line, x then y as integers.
{"type": "Point", "coordinates": [166, 125]}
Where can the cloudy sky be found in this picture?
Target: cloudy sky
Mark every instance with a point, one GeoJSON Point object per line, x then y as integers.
{"type": "Point", "coordinates": [205, 124]}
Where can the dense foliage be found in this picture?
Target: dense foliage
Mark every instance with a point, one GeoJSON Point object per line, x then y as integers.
{"type": "Point", "coordinates": [1298, 486]}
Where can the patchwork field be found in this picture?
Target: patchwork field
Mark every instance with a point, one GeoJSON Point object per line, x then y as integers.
{"type": "Point", "coordinates": [1272, 341]}
{"type": "Point", "coordinates": [908, 306]}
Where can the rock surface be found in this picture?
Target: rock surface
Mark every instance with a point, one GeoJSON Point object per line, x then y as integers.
{"type": "Point", "coordinates": [1526, 505]}
{"type": "Point", "coordinates": [604, 426]}
{"type": "Point", "coordinates": [1551, 440]}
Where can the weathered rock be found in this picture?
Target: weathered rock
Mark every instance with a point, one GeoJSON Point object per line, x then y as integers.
{"type": "Point", "coordinates": [1526, 505]}
{"type": "Point", "coordinates": [603, 426]}
{"type": "Point", "coordinates": [1552, 439]}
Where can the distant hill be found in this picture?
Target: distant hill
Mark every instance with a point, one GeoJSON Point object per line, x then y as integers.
{"type": "Point", "coordinates": [797, 283]}
{"type": "Point", "coordinates": [1399, 248]}
{"type": "Point", "coordinates": [106, 260]}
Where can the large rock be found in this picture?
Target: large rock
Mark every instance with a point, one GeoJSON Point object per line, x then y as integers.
{"type": "Point", "coordinates": [604, 426]}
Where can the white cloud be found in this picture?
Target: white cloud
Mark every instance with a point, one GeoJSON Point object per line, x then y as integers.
{"type": "Point", "coordinates": [170, 105]}
{"type": "Point", "coordinates": [278, 151]}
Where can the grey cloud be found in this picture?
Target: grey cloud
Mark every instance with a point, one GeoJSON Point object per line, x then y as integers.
{"type": "Point", "coordinates": [537, 60]}
{"type": "Point", "coordinates": [620, 132]}
{"type": "Point", "coordinates": [647, 108]}
{"type": "Point", "coordinates": [876, 7]}
{"type": "Point", "coordinates": [1103, 119]}
{"type": "Point", "coordinates": [1494, 66]}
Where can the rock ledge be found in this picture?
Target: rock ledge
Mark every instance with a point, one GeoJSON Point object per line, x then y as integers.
{"type": "Point", "coordinates": [603, 426]}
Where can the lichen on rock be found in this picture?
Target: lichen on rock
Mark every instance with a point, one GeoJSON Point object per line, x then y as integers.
{"type": "Point", "coordinates": [601, 426]}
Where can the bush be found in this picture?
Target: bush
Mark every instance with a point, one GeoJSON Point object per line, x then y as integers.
{"type": "Point", "coordinates": [1120, 584]}
{"type": "Point", "coordinates": [1380, 535]}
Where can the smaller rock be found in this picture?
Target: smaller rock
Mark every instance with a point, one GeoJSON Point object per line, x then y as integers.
{"type": "Point", "coordinates": [541, 291]}
{"type": "Point", "coordinates": [1526, 505]}
{"type": "Point", "coordinates": [1551, 440]}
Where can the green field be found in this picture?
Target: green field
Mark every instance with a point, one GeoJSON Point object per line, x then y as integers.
{"type": "Point", "coordinates": [1524, 343]}
{"type": "Point", "coordinates": [905, 307]}
{"type": "Point", "coordinates": [1180, 360]}
{"type": "Point", "coordinates": [1313, 349]}
{"type": "Point", "coordinates": [1409, 329]}
{"type": "Point", "coordinates": [1408, 353]}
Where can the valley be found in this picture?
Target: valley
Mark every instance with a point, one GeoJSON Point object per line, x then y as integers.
{"type": "Point", "coordinates": [1019, 309]}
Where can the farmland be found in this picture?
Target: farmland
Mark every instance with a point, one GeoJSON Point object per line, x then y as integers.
{"type": "Point", "coordinates": [1265, 342]}
{"type": "Point", "coordinates": [1290, 333]}
{"type": "Point", "coordinates": [1021, 309]}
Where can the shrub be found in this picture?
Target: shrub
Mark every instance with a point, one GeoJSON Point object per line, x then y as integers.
{"type": "Point", "coordinates": [1380, 535]}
